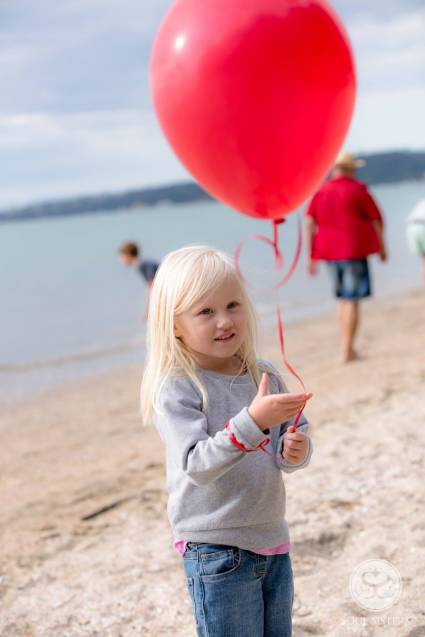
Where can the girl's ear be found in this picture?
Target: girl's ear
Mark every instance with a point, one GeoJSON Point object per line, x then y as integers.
{"type": "Point", "coordinates": [177, 332]}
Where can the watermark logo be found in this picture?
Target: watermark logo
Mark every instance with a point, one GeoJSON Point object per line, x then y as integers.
{"type": "Point", "coordinates": [375, 585]}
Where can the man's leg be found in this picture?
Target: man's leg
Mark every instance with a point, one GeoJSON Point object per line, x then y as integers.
{"type": "Point", "coordinates": [349, 316]}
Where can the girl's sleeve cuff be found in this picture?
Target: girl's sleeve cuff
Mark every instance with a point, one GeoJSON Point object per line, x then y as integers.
{"type": "Point", "coordinates": [246, 431]}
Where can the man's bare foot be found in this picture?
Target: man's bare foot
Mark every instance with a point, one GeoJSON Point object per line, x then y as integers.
{"type": "Point", "coordinates": [349, 357]}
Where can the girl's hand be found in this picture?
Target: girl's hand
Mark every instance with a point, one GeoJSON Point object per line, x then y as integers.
{"type": "Point", "coordinates": [295, 445]}
{"type": "Point", "coordinates": [270, 410]}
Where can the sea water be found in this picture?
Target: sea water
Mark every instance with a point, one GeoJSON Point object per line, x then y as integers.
{"type": "Point", "coordinates": [70, 310]}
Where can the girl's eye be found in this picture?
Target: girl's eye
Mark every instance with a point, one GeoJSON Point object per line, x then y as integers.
{"type": "Point", "coordinates": [233, 304]}
{"type": "Point", "coordinates": [206, 311]}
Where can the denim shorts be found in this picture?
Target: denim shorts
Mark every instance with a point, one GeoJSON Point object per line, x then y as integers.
{"type": "Point", "coordinates": [237, 593]}
{"type": "Point", "coordinates": [351, 279]}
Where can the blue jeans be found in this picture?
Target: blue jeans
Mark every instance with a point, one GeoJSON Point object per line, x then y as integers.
{"type": "Point", "coordinates": [237, 593]}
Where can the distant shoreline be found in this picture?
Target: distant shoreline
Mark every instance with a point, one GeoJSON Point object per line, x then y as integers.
{"type": "Point", "coordinates": [381, 168]}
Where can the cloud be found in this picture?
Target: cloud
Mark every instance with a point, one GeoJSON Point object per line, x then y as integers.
{"type": "Point", "coordinates": [75, 55]}
{"type": "Point", "coordinates": [378, 9]}
{"type": "Point", "coordinates": [49, 16]}
{"type": "Point", "coordinates": [390, 54]}
{"type": "Point", "coordinates": [68, 154]}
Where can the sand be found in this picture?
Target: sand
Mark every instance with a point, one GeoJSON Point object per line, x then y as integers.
{"type": "Point", "coordinates": [85, 542]}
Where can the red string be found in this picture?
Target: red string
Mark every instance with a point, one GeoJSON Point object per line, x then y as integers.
{"type": "Point", "coordinates": [279, 261]}
{"type": "Point", "coordinates": [278, 266]}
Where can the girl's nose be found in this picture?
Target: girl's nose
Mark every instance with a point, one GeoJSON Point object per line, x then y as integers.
{"type": "Point", "coordinates": [224, 322]}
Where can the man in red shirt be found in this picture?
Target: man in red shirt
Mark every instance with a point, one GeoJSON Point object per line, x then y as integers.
{"type": "Point", "coordinates": [343, 227]}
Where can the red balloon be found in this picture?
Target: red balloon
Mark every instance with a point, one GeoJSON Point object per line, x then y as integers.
{"type": "Point", "coordinates": [254, 96]}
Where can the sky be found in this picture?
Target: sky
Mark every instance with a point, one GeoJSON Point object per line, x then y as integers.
{"type": "Point", "coordinates": [75, 112]}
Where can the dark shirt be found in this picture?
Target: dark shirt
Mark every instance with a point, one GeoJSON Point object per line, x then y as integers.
{"type": "Point", "coordinates": [148, 270]}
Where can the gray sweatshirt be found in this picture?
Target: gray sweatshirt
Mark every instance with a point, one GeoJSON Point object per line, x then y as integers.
{"type": "Point", "coordinates": [218, 493]}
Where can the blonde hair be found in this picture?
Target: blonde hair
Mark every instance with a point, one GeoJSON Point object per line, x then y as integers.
{"type": "Point", "coordinates": [183, 278]}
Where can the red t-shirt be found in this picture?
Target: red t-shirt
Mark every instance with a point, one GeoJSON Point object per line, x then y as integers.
{"type": "Point", "coordinates": [343, 211]}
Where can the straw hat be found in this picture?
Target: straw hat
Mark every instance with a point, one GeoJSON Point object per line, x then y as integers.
{"type": "Point", "coordinates": [346, 160]}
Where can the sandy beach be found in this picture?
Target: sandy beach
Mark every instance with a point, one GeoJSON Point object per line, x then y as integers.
{"type": "Point", "coordinates": [85, 542]}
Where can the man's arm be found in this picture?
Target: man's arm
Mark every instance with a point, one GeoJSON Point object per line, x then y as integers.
{"type": "Point", "coordinates": [375, 216]}
{"type": "Point", "coordinates": [379, 229]}
{"type": "Point", "coordinates": [310, 228]}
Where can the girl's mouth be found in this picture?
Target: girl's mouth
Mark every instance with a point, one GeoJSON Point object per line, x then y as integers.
{"type": "Point", "coordinates": [226, 338]}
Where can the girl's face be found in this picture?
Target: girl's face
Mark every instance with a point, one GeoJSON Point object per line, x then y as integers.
{"type": "Point", "coordinates": [215, 327]}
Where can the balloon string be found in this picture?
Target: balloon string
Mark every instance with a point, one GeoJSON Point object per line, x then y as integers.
{"type": "Point", "coordinates": [279, 260]}
{"type": "Point", "coordinates": [281, 330]}
{"type": "Point", "coordinates": [287, 363]}
{"type": "Point", "coordinates": [277, 252]}
{"type": "Point", "coordinates": [274, 243]}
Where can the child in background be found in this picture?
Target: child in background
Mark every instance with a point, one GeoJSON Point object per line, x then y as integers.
{"type": "Point", "coordinates": [225, 418]}
{"type": "Point", "coordinates": [130, 255]}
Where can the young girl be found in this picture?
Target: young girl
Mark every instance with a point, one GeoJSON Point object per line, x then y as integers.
{"type": "Point", "coordinates": [225, 419]}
